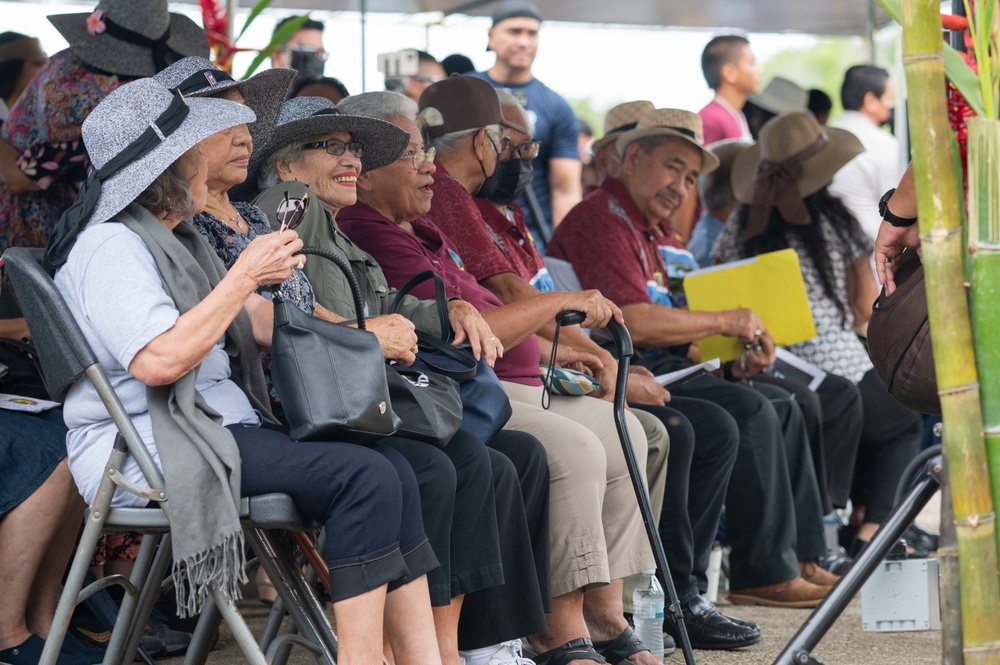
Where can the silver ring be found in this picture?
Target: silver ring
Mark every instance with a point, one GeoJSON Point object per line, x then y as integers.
{"type": "Point", "coordinates": [758, 333]}
{"type": "Point", "coordinates": [302, 263]}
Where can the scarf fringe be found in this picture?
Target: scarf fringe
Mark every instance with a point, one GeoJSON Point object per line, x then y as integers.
{"type": "Point", "coordinates": [223, 565]}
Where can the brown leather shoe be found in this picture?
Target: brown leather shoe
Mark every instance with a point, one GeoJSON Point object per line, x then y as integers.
{"type": "Point", "coordinates": [813, 572]}
{"type": "Point", "coordinates": [791, 593]}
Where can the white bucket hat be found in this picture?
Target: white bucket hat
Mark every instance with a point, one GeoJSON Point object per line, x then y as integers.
{"type": "Point", "coordinates": [132, 136]}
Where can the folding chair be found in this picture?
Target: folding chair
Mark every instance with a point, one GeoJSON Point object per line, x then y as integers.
{"type": "Point", "coordinates": [66, 357]}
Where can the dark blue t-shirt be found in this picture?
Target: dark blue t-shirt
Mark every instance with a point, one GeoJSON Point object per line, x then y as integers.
{"type": "Point", "coordinates": [553, 123]}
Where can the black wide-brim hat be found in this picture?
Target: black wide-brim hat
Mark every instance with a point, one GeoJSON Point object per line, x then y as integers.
{"type": "Point", "coordinates": [146, 18]}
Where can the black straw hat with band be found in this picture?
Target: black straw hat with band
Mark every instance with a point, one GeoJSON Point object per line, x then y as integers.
{"type": "Point", "coordinates": [794, 158]}
{"type": "Point", "coordinates": [131, 38]}
{"type": "Point", "coordinates": [263, 93]}
{"type": "Point", "coordinates": [132, 137]}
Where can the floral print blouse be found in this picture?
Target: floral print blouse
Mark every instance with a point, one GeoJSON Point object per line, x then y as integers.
{"type": "Point", "coordinates": [45, 128]}
{"type": "Point", "coordinates": [229, 244]}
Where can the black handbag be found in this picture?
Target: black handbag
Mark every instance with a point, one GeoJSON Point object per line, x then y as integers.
{"type": "Point", "coordinates": [20, 370]}
{"type": "Point", "coordinates": [428, 404]}
{"type": "Point", "coordinates": [331, 377]}
{"type": "Point", "coordinates": [485, 405]}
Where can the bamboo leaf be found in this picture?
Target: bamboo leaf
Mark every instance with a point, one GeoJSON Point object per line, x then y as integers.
{"type": "Point", "coordinates": [257, 9]}
{"type": "Point", "coordinates": [964, 79]}
{"type": "Point", "coordinates": [891, 7]}
{"type": "Point", "coordinates": [283, 34]}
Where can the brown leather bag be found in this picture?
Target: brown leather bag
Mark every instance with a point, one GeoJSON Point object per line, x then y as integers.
{"type": "Point", "coordinates": [899, 339]}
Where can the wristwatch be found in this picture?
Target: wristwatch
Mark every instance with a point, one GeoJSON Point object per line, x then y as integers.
{"type": "Point", "coordinates": [883, 210]}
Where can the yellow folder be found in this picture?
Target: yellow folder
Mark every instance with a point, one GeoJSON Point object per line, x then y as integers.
{"type": "Point", "coordinates": [769, 284]}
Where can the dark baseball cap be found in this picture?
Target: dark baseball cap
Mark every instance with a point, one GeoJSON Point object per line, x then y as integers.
{"type": "Point", "coordinates": [464, 102]}
{"type": "Point", "coordinates": [516, 9]}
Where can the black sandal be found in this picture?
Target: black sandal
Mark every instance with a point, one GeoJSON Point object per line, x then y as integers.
{"type": "Point", "coordinates": [579, 649]}
{"type": "Point", "coordinates": [619, 649]}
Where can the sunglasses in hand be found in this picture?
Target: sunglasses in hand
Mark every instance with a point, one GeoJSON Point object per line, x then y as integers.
{"type": "Point", "coordinates": [292, 211]}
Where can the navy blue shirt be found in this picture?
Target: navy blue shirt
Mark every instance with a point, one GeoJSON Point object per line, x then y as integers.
{"type": "Point", "coordinates": [554, 124]}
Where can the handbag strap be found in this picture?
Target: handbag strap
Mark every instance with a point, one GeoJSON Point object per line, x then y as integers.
{"type": "Point", "coordinates": [352, 281]}
{"type": "Point", "coordinates": [439, 297]}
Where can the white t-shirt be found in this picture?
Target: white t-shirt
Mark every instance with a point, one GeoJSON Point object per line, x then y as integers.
{"type": "Point", "coordinates": [863, 180]}
{"type": "Point", "coordinates": [112, 287]}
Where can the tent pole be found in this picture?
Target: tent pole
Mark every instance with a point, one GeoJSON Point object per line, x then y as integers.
{"type": "Point", "coordinates": [870, 37]}
{"type": "Point", "coordinates": [364, 12]}
{"type": "Point", "coordinates": [231, 8]}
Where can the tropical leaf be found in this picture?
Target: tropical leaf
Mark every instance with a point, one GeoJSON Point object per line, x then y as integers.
{"type": "Point", "coordinates": [966, 81]}
{"type": "Point", "coordinates": [257, 9]}
{"type": "Point", "coordinates": [283, 34]}
{"type": "Point", "coordinates": [892, 8]}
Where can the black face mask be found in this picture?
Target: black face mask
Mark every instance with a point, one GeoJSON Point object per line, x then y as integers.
{"type": "Point", "coordinates": [890, 122]}
{"type": "Point", "coordinates": [514, 179]}
{"type": "Point", "coordinates": [490, 182]}
{"type": "Point", "coordinates": [304, 60]}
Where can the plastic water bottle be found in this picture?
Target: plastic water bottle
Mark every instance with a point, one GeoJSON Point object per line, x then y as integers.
{"type": "Point", "coordinates": [647, 612]}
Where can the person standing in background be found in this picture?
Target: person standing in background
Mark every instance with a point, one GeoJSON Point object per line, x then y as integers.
{"type": "Point", "coordinates": [557, 169]}
{"type": "Point", "coordinates": [731, 70]}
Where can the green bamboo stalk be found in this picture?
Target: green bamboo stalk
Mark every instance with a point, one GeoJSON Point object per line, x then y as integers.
{"type": "Point", "coordinates": [948, 581]}
{"type": "Point", "coordinates": [984, 249]}
{"type": "Point", "coordinates": [954, 359]}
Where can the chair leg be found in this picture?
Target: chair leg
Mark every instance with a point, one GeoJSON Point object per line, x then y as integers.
{"type": "Point", "coordinates": [77, 573]}
{"type": "Point", "coordinates": [129, 610]}
{"type": "Point", "coordinates": [298, 599]}
{"type": "Point", "coordinates": [149, 594]}
{"type": "Point", "coordinates": [204, 633]}
{"type": "Point", "coordinates": [241, 632]}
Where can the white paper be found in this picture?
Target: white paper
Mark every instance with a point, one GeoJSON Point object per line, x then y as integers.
{"type": "Point", "coordinates": [695, 370]}
{"type": "Point", "coordinates": [789, 366]}
{"type": "Point", "coordinates": [28, 404]}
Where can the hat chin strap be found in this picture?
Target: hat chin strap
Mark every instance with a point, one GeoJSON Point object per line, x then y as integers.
{"type": "Point", "coordinates": [158, 47]}
{"type": "Point", "coordinates": [72, 222]}
{"type": "Point", "coordinates": [776, 186]}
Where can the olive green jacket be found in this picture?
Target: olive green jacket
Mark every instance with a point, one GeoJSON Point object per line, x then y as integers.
{"type": "Point", "coordinates": [319, 229]}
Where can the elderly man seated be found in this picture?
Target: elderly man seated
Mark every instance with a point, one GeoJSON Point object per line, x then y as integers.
{"type": "Point", "coordinates": [612, 238]}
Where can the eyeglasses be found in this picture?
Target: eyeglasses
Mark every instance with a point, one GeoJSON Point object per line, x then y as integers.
{"type": "Point", "coordinates": [419, 157]}
{"type": "Point", "coordinates": [427, 79]}
{"type": "Point", "coordinates": [292, 211]}
{"type": "Point", "coordinates": [336, 147]}
{"type": "Point", "coordinates": [526, 151]}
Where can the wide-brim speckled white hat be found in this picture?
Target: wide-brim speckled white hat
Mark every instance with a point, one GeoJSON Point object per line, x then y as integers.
{"type": "Point", "coordinates": [302, 118]}
{"type": "Point", "coordinates": [90, 35]}
{"type": "Point", "coordinates": [125, 114]}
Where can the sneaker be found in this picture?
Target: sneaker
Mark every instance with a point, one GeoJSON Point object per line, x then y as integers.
{"type": "Point", "coordinates": [505, 653]}
{"type": "Point", "coordinates": [174, 642]}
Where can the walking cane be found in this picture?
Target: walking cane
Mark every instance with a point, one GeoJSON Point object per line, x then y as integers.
{"type": "Point", "coordinates": [623, 347]}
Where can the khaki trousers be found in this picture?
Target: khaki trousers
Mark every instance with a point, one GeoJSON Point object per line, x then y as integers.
{"type": "Point", "coordinates": [595, 530]}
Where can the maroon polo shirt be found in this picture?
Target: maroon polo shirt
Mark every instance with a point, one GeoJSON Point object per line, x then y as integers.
{"type": "Point", "coordinates": [402, 254]}
{"type": "Point", "coordinates": [606, 239]}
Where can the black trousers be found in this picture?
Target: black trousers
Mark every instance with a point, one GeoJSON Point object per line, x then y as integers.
{"type": "Point", "coordinates": [517, 607]}
{"type": "Point", "coordinates": [704, 441]}
{"type": "Point", "coordinates": [890, 438]}
{"type": "Point", "coordinates": [834, 417]}
{"type": "Point", "coordinates": [458, 505]}
{"type": "Point", "coordinates": [773, 472]}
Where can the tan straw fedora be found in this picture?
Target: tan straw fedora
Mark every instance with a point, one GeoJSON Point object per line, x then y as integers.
{"type": "Point", "coordinates": [620, 119]}
{"type": "Point", "coordinates": [671, 122]}
{"type": "Point", "coordinates": [822, 151]}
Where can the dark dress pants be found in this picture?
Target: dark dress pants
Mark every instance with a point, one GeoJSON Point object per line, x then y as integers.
{"type": "Point", "coordinates": [704, 441]}
{"type": "Point", "coordinates": [517, 607]}
{"type": "Point", "coordinates": [889, 440]}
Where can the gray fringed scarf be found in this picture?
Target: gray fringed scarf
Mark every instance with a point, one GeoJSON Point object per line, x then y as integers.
{"type": "Point", "coordinates": [199, 457]}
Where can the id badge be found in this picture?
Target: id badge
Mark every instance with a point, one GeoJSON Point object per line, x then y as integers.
{"type": "Point", "coordinates": [543, 281]}
{"type": "Point", "coordinates": [658, 294]}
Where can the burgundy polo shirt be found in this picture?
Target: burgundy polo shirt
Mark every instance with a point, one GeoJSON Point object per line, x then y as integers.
{"type": "Point", "coordinates": [402, 254]}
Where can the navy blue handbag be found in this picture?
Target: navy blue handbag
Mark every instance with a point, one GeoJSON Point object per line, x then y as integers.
{"type": "Point", "coordinates": [485, 406]}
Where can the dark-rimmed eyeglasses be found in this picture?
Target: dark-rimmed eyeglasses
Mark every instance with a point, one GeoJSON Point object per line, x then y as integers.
{"type": "Point", "coordinates": [336, 147]}
{"type": "Point", "coordinates": [525, 151]}
{"type": "Point", "coordinates": [419, 158]}
{"type": "Point", "coordinates": [292, 211]}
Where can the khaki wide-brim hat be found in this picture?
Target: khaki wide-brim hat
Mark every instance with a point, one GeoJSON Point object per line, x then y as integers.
{"type": "Point", "coordinates": [619, 120]}
{"type": "Point", "coordinates": [781, 96]}
{"type": "Point", "coordinates": [826, 151]}
{"type": "Point", "coordinates": [671, 122]}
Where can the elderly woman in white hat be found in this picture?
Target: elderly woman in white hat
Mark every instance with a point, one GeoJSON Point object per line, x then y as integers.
{"type": "Point", "coordinates": [782, 184]}
{"type": "Point", "coordinates": [180, 349]}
